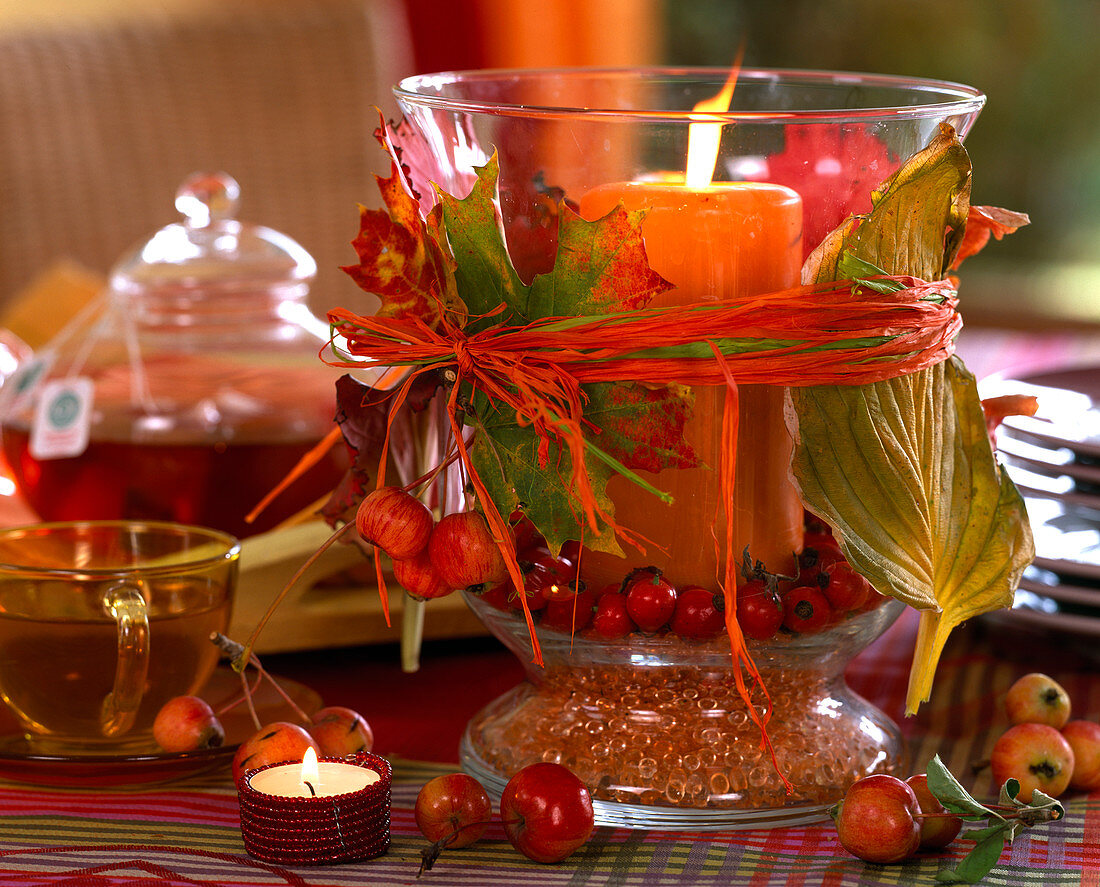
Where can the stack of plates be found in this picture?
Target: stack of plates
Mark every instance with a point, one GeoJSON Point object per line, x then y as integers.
{"type": "Point", "coordinates": [1054, 459]}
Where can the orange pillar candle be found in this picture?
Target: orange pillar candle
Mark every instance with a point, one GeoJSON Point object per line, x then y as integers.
{"type": "Point", "coordinates": [717, 241]}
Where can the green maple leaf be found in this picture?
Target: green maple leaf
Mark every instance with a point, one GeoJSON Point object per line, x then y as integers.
{"type": "Point", "coordinates": [505, 456]}
{"type": "Point", "coordinates": [484, 274]}
{"type": "Point", "coordinates": [600, 268]}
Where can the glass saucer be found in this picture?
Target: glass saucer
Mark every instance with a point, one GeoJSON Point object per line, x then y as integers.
{"type": "Point", "coordinates": [20, 761]}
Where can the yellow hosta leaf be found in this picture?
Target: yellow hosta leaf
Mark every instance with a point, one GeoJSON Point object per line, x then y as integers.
{"type": "Point", "coordinates": [903, 469]}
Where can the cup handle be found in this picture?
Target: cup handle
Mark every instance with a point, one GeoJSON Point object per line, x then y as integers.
{"type": "Point", "coordinates": [119, 710]}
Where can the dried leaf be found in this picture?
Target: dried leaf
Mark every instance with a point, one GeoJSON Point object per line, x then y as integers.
{"type": "Point", "coordinates": [903, 468]}
{"type": "Point", "coordinates": [403, 260]}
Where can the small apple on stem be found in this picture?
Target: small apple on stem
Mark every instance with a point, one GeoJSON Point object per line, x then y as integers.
{"type": "Point", "coordinates": [878, 819]}
{"type": "Point", "coordinates": [1036, 755]}
{"type": "Point", "coordinates": [340, 731]}
{"type": "Point", "coordinates": [881, 816]}
{"type": "Point", "coordinates": [1037, 698]}
{"type": "Point", "coordinates": [1084, 738]}
{"type": "Point", "coordinates": [451, 811]}
{"type": "Point", "coordinates": [187, 723]}
{"type": "Point", "coordinates": [547, 812]}
{"type": "Point", "coordinates": [938, 828]}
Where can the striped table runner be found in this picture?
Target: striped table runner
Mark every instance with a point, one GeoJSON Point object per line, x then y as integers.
{"type": "Point", "coordinates": [187, 832]}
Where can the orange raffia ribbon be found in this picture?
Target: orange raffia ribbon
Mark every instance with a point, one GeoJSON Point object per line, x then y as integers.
{"type": "Point", "coordinates": [822, 334]}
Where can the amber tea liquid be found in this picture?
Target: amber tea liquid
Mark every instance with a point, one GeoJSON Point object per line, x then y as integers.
{"type": "Point", "coordinates": [56, 670]}
{"type": "Point", "coordinates": [210, 484]}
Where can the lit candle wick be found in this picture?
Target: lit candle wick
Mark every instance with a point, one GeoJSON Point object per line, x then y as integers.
{"type": "Point", "coordinates": [312, 791]}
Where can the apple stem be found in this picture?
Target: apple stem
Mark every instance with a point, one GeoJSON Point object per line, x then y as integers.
{"type": "Point", "coordinates": [239, 652]}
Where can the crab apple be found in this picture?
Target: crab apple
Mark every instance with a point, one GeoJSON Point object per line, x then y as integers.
{"type": "Point", "coordinates": [650, 599]}
{"type": "Point", "coordinates": [1084, 738]}
{"type": "Point", "coordinates": [699, 613]}
{"type": "Point", "coordinates": [453, 808]}
{"type": "Point", "coordinates": [1037, 699]}
{"type": "Point", "coordinates": [611, 619]}
{"type": "Point", "coordinates": [571, 615]}
{"type": "Point", "coordinates": [1036, 755]}
{"type": "Point", "coordinates": [276, 742]}
{"type": "Point", "coordinates": [418, 577]}
{"type": "Point", "coordinates": [464, 553]}
{"type": "Point", "coordinates": [939, 829]}
{"type": "Point", "coordinates": [547, 812]}
{"type": "Point", "coordinates": [187, 723]}
{"type": "Point", "coordinates": [876, 821]}
{"type": "Point", "coordinates": [395, 521]}
{"type": "Point", "coordinates": [340, 732]}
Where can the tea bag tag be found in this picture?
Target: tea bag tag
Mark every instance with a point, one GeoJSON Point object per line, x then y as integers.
{"type": "Point", "coordinates": [61, 419]}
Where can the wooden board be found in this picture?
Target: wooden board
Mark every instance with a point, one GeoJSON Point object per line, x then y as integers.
{"type": "Point", "coordinates": [336, 601]}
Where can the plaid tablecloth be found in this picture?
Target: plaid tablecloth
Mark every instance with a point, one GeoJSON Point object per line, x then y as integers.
{"type": "Point", "coordinates": [187, 832]}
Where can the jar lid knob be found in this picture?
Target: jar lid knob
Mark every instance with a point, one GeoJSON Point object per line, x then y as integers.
{"type": "Point", "coordinates": [205, 198]}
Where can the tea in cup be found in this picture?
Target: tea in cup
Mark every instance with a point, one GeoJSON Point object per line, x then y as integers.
{"type": "Point", "coordinates": [102, 622]}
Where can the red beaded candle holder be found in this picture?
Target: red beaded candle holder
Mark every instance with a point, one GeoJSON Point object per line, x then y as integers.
{"type": "Point", "coordinates": [338, 828]}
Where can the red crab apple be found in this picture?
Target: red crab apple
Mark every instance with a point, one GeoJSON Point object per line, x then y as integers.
{"type": "Point", "coordinates": [463, 552]}
{"type": "Point", "coordinates": [1035, 754]}
{"type": "Point", "coordinates": [939, 829]}
{"type": "Point", "coordinates": [454, 808]}
{"type": "Point", "coordinates": [278, 741]}
{"type": "Point", "coordinates": [418, 577]}
{"type": "Point", "coordinates": [340, 731]}
{"type": "Point", "coordinates": [187, 723]}
{"type": "Point", "coordinates": [547, 812]}
{"type": "Point", "coordinates": [1037, 699]}
{"type": "Point", "coordinates": [876, 821]}
{"type": "Point", "coordinates": [1084, 738]}
{"type": "Point", "coordinates": [395, 521]}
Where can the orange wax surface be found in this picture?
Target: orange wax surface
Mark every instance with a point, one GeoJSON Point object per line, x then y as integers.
{"type": "Point", "coordinates": [722, 241]}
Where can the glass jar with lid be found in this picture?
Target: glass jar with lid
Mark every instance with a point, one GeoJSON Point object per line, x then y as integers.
{"type": "Point", "coordinates": [190, 389]}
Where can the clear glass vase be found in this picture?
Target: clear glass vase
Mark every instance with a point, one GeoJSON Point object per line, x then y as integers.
{"type": "Point", "coordinates": [653, 721]}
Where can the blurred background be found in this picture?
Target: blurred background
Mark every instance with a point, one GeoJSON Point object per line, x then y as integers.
{"type": "Point", "coordinates": [105, 105]}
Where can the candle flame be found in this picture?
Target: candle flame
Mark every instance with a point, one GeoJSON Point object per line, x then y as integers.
{"type": "Point", "coordinates": [704, 138]}
{"type": "Point", "coordinates": [310, 772]}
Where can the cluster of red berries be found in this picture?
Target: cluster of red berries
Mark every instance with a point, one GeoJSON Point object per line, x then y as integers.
{"type": "Point", "coordinates": [825, 591]}
{"type": "Point", "coordinates": [430, 558]}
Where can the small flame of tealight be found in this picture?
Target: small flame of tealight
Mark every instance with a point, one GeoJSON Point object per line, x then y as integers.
{"type": "Point", "coordinates": [705, 137]}
{"type": "Point", "coordinates": [310, 773]}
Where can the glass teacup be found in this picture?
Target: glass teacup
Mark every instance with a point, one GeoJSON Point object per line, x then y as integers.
{"type": "Point", "coordinates": [101, 622]}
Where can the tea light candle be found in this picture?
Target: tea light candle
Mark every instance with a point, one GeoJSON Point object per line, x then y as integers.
{"type": "Point", "coordinates": [317, 812]}
{"type": "Point", "coordinates": [312, 779]}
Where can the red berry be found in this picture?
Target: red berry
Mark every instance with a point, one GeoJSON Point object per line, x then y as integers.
{"type": "Point", "coordinates": [524, 532]}
{"type": "Point", "coordinates": [699, 613]}
{"type": "Point", "coordinates": [845, 588]}
{"type": "Point", "coordinates": [759, 610]}
{"type": "Point", "coordinates": [806, 610]}
{"type": "Point", "coordinates": [571, 615]}
{"type": "Point", "coordinates": [650, 599]}
{"type": "Point", "coordinates": [395, 521]}
{"type": "Point", "coordinates": [553, 577]}
{"type": "Point", "coordinates": [464, 553]}
{"type": "Point", "coordinates": [419, 578]}
{"type": "Point", "coordinates": [611, 619]}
